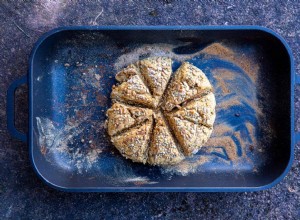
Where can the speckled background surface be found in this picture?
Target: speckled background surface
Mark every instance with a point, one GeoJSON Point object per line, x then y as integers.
{"type": "Point", "coordinates": [23, 195]}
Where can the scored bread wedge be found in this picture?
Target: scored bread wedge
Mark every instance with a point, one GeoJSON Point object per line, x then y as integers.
{"type": "Point", "coordinates": [191, 136]}
{"type": "Point", "coordinates": [132, 91]}
{"type": "Point", "coordinates": [199, 110]}
{"type": "Point", "coordinates": [156, 72]}
{"type": "Point", "coordinates": [127, 72]}
{"type": "Point", "coordinates": [163, 149]}
{"type": "Point", "coordinates": [189, 82]}
{"type": "Point", "coordinates": [121, 116]}
{"type": "Point", "coordinates": [133, 144]}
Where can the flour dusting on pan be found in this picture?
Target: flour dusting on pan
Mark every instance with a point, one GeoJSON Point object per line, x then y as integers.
{"type": "Point", "coordinates": [60, 141]}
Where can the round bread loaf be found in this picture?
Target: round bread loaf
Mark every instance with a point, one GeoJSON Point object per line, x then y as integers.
{"type": "Point", "coordinates": [157, 118]}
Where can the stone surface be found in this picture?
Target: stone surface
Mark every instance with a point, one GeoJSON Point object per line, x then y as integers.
{"type": "Point", "coordinates": [23, 195]}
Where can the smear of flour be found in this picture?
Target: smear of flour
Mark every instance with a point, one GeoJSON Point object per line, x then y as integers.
{"type": "Point", "coordinates": [138, 180]}
{"type": "Point", "coordinates": [60, 141]}
{"type": "Point", "coordinates": [165, 50]}
{"type": "Point", "coordinates": [187, 166]}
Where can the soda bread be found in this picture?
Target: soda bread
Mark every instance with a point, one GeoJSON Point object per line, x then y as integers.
{"type": "Point", "coordinates": [159, 119]}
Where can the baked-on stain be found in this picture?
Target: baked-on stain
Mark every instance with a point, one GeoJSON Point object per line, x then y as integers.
{"type": "Point", "coordinates": [78, 138]}
{"type": "Point", "coordinates": [102, 100]}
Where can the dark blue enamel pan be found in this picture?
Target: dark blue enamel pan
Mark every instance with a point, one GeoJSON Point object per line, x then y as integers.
{"type": "Point", "coordinates": [71, 72]}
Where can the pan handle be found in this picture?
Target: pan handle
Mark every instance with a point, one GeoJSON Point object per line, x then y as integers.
{"type": "Point", "coordinates": [10, 109]}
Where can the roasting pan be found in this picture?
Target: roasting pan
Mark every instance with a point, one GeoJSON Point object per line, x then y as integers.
{"type": "Point", "coordinates": [71, 72]}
